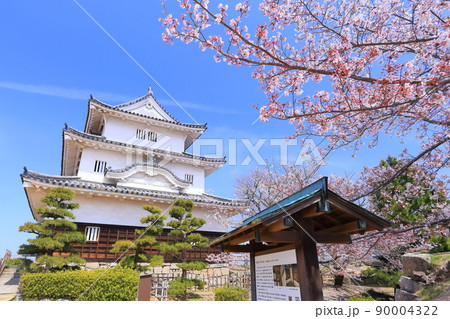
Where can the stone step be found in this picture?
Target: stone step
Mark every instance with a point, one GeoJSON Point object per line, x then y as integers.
{"type": "Point", "coordinates": [10, 270]}
{"type": "Point", "coordinates": [7, 296]}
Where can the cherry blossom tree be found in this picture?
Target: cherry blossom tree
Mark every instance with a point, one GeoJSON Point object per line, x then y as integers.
{"type": "Point", "coordinates": [263, 187]}
{"type": "Point", "coordinates": [416, 203]}
{"type": "Point", "coordinates": [383, 66]}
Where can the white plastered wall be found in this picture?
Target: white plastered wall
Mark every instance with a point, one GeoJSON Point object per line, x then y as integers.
{"type": "Point", "coordinates": [115, 160]}
{"type": "Point", "coordinates": [180, 169]}
{"type": "Point", "coordinates": [115, 211]}
{"type": "Point", "coordinates": [125, 131]}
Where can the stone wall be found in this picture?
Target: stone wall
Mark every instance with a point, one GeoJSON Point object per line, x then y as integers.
{"type": "Point", "coordinates": [171, 269]}
{"type": "Point", "coordinates": [419, 273]}
{"type": "Point", "coordinates": [415, 267]}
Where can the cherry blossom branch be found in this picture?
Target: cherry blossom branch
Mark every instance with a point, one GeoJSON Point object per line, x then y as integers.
{"type": "Point", "coordinates": [443, 221]}
{"type": "Point", "coordinates": [386, 60]}
{"type": "Point", "coordinates": [243, 39]}
{"type": "Point", "coordinates": [394, 43]}
{"type": "Point", "coordinates": [402, 169]}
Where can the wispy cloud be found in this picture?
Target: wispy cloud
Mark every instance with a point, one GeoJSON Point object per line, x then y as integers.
{"type": "Point", "coordinates": [69, 93]}
{"type": "Point", "coordinates": [83, 94]}
{"type": "Point", "coordinates": [198, 106]}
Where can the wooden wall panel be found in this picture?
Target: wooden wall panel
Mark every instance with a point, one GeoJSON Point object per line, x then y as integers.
{"type": "Point", "coordinates": [101, 250]}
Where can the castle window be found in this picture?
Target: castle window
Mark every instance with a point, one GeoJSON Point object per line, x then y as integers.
{"type": "Point", "coordinates": [140, 134]}
{"type": "Point", "coordinates": [146, 135]}
{"type": "Point", "coordinates": [99, 166]}
{"type": "Point", "coordinates": [152, 136]}
{"type": "Point", "coordinates": [189, 178]}
{"type": "Point", "coordinates": [92, 233]}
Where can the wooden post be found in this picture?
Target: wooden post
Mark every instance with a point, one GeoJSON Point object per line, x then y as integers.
{"type": "Point", "coordinates": [309, 275]}
{"type": "Point", "coordinates": [252, 271]}
{"type": "Point", "coordinates": [145, 288]}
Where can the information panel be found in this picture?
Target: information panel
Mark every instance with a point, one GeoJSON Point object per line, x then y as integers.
{"type": "Point", "coordinates": [276, 276]}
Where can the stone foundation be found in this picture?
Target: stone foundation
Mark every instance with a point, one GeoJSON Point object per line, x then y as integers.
{"type": "Point", "coordinates": [173, 269]}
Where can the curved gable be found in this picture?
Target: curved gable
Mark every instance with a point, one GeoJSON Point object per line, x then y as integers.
{"type": "Point", "coordinates": [147, 106]}
{"type": "Point", "coordinates": [143, 174]}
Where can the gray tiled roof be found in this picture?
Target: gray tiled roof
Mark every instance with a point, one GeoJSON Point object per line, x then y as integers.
{"type": "Point", "coordinates": [150, 150]}
{"type": "Point", "coordinates": [149, 94]}
{"type": "Point", "coordinates": [118, 108]}
{"type": "Point", "coordinates": [77, 182]}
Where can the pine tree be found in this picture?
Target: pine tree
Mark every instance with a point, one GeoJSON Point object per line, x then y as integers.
{"type": "Point", "coordinates": [146, 238]}
{"type": "Point", "coordinates": [184, 238]}
{"type": "Point", "coordinates": [55, 233]}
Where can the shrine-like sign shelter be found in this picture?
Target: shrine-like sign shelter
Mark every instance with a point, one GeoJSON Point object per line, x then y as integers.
{"type": "Point", "coordinates": [282, 240]}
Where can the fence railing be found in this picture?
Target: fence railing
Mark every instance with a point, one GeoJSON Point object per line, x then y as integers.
{"type": "Point", "coordinates": [4, 260]}
{"type": "Point", "coordinates": [160, 282]}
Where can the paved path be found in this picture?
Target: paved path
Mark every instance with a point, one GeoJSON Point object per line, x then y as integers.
{"type": "Point", "coordinates": [9, 285]}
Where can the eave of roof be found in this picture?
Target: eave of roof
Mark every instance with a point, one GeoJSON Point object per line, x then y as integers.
{"type": "Point", "coordinates": [77, 183]}
{"type": "Point", "coordinates": [314, 190]}
{"type": "Point", "coordinates": [102, 139]}
{"type": "Point", "coordinates": [301, 195]}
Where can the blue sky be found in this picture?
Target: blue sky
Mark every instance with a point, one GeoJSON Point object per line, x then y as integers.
{"type": "Point", "coordinates": [53, 56]}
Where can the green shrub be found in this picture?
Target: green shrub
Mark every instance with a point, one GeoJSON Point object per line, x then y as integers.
{"type": "Point", "coordinates": [193, 265]}
{"type": "Point", "coordinates": [372, 295]}
{"type": "Point", "coordinates": [113, 285]}
{"type": "Point", "coordinates": [178, 288]}
{"type": "Point", "coordinates": [431, 292]}
{"type": "Point", "coordinates": [438, 260]}
{"type": "Point", "coordinates": [381, 278]}
{"type": "Point", "coordinates": [442, 244]}
{"type": "Point", "coordinates": [230, 294]}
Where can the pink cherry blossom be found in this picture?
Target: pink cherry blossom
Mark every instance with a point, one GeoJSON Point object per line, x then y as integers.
{"type": "Point", "coordinates": [386, 62]}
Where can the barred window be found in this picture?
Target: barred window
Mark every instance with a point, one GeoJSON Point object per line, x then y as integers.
{"type": "Point", "coordinates": [99, 166]}
{"type": "Point", "coordinates": [152, 136]}
{"type": "Point", "coordinates": [189, 178]}
{"type": "Point", "coordinates": [146, 135]}
{"type": "Point", "coordinates": [92, 233]}
{"type": "Point", "coordinates": [140, 134]}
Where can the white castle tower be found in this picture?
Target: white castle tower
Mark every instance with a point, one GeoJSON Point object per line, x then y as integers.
{"type": "Point", "coordinates": [130, 155]}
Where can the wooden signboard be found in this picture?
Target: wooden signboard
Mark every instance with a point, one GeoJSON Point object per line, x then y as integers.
{"type": "Point", "coordinates": [277, 276]}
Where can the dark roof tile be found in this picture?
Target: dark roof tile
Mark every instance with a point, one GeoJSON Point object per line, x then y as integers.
{"type": "Point", "coordinates": [77, 182]}
{"type": "Point", "coordinates": [118, 108]}
{"type": "Point", "coordinates": [154, 150]}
